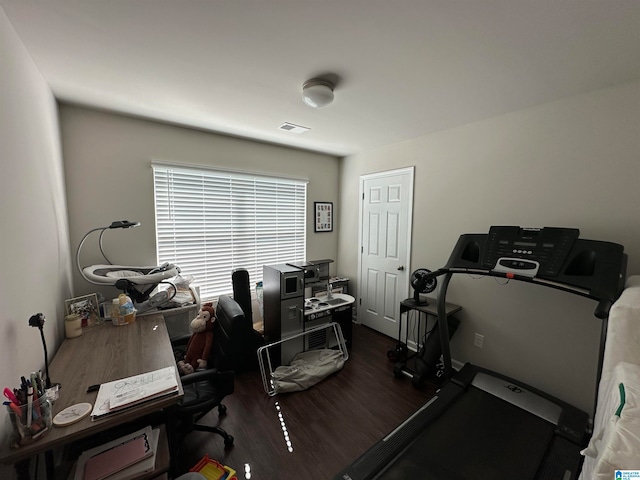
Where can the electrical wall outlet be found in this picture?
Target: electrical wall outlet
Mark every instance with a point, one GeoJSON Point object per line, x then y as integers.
{"type": "Point", "coordinates": [478, 340]}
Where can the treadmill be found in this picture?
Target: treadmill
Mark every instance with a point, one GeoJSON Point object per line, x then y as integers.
{"type": "Point", "coordinates": [485, 426]}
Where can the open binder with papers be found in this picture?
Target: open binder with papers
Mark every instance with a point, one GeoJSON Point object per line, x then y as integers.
{"type": "Point", "coordinates": [123, 393]}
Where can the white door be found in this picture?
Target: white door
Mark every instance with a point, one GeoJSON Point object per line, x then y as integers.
{"type": "Point", "coordinates": [385, 233]}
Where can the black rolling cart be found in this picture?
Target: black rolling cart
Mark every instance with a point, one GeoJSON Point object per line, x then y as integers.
{"type": "Point", "coordinates": [422, 364]}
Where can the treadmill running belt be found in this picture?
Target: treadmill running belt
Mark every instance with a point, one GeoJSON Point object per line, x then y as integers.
{"type": "Point", "coordinates": [480, 437]}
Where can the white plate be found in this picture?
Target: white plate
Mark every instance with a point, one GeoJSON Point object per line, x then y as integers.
{"type": "Point", "coordinates": [72, 414]}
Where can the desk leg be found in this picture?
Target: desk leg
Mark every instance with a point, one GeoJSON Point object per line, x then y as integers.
{"type": "Point", "coordinates": [22, 469]}
{"type": "Point", "coordinates": [171, 423]}
{"type": "Point", "coordinates": [49, 465]}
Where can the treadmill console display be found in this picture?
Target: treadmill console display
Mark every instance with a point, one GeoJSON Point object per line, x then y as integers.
{"type": "Point", "coordinates": [528, 251]}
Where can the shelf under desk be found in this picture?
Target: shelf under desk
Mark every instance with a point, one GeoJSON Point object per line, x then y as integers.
{"type": "Point", "coordinates": [102, 354]}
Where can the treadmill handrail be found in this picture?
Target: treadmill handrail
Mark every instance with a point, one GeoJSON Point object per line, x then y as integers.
{"type": "Point", "coordinates": [601, 311]}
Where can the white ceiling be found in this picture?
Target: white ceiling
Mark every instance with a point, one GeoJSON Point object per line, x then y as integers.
{"type": "Point", "coordinates": [405, 68]}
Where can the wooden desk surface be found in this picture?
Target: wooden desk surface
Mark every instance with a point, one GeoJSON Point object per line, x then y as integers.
{"type": "Point", "coordinates": [102, 354]}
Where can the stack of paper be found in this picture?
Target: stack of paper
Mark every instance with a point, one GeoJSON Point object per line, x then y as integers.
{"type": "Point", "coordinates": [126, 392]}
{"type": "Point", "coordinates": [126, 458]}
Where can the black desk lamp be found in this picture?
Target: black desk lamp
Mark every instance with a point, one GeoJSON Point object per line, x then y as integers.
{"type": "Point", "coordinates": [38, 320]}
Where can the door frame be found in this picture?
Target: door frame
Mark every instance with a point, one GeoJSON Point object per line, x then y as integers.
{"type": "Point", "coordinates": [363, 178]}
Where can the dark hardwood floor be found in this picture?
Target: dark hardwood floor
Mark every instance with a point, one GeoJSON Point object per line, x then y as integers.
{"type": "Point", "coordinates": [328, 425]}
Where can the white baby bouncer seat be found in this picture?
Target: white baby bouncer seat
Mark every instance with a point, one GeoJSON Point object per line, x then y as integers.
{"type": "Point", "coordinates": [141, 278]}
{"type": "Point", "coordinates": [137, 281]}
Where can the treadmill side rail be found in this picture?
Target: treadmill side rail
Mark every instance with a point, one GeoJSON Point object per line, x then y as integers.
{"type": "Point", "coordinates": [378, 457]}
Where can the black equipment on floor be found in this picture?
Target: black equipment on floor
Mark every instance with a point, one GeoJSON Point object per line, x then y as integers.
{"type": "Point", "coordinates": [427, 361]}
{"type": "Point", "coordinates": [480, 424]}
{"type": "Point", "coordinates": [420, 284]}
{"type": "Point", "coordinates": [425, 364]}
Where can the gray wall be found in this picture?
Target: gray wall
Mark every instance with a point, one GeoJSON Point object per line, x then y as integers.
{"type": "Point", "coordinates": [34, 246]}
{"type": "Point", "coordinates": [109, 177]}
{"type": "Point", "coordinates": [570, 163]}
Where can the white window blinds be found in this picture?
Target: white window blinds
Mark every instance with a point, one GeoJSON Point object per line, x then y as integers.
{"type": "Point", "coordinates": [211, 222]}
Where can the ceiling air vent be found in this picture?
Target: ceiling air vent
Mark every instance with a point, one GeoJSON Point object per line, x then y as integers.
{"type": "Point", "coordinates": [290, 127]}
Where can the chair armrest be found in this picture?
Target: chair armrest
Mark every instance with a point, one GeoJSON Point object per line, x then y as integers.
{"type": "Point", "coordinates": [204, 389]}
{"type": "Point", "coordinates": [199, 376]}
{"type": "Point", "coordinates": [180, 341]}
{"type": "Point", "coordinates": [212, 374]}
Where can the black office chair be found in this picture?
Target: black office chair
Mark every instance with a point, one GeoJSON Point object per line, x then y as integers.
{"type": "Point", "coordinates": [242, 291]}
{"type": "Point", "coordinates": [203, 391]}
{"type": "Point", "coordinates": [236, 339]}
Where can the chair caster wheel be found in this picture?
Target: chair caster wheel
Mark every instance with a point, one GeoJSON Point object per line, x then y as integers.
{"type": "Point", "coordinates": [228, 441]}
{"type": "Point", "coordinates": [397, 370]}
{"type": "Point", "coordinates": [222, 409]}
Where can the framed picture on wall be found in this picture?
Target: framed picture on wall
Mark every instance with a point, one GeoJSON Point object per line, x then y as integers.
{"type": "Point", "coordinates": [323, 216]}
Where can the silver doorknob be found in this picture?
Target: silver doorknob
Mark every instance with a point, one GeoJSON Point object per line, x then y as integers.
{"type": "Point", "coordinates": [401, 267]}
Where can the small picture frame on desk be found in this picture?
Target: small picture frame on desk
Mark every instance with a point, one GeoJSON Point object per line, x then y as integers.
{"type": "Point", "coordinates": [323, 216]}
{"type": "Point", "coordinates": [86, 306]}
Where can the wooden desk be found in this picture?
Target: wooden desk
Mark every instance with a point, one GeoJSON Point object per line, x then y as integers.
{"type": "Point", "coordinates": [102, 354]}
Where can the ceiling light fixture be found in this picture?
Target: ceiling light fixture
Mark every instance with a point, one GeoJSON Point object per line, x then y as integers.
{"type": "Point", "coordinates": [317, 92]}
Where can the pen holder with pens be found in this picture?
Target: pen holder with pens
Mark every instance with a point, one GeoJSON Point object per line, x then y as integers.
{"type": "Point", "coordinates": [30, 421]}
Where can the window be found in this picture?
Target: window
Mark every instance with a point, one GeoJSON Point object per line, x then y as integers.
{"type": "Point", "coordinates": [211, 222]}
